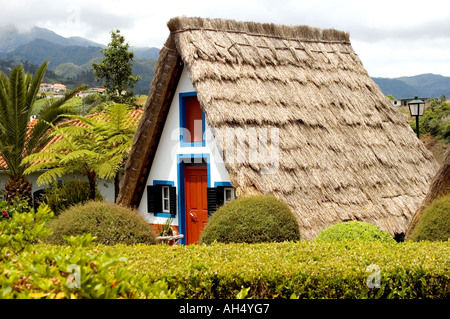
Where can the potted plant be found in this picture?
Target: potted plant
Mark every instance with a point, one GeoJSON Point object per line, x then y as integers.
{"type": "Point", "coordinates": [167, 230]}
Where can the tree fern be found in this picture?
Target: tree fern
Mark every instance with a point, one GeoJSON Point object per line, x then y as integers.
{"type": "Point", "coordinates": [97, 148]}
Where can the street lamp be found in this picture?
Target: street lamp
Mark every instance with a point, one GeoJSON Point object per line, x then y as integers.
{"type": "Point", "coordinates": [416, 108]}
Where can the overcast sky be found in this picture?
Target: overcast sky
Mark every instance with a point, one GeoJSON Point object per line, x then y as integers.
{"type": "Point", "coordinates": [392, 37]}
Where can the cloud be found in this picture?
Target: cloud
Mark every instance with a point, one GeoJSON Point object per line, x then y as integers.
{"type": "Point", "coordinates": [90, 19]}
{"type": "Point", "coordinates": [389, 36]}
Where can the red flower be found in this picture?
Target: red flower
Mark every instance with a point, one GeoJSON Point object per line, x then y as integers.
{"type": "Point", "coordinates": [5, 213]}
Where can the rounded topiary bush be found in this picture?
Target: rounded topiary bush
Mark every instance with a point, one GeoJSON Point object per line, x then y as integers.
{"type": "Point", "coordinates": [252, 219]}
{"type": "Point", "coordinates": [354, 230]}
{"type": "Point", "coordinates": [112, 224]}
{"type": "Point", "coordinates": [434, 224]}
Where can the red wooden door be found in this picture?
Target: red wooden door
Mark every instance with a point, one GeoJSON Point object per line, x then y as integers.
{"type": "Point", "coordinates": [195, 185]}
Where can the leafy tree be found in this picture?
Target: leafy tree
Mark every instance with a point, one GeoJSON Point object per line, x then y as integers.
{"type": "Point", "coordinates": [436, 119]}
{"type": "Point", "coordinates": [116, 69]}
{"type": "Point", "coordinates": [17, 97]}
{"type": "Point", "coordinates": [96, 149]}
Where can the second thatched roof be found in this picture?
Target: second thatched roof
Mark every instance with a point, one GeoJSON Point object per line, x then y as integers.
{"type": "Point", "coordinates": [439, 187]}
{"type": "Point", "coordinates": [345, 153]}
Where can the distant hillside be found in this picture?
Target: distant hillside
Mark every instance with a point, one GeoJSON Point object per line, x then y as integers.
{"type": "Point", "coordinates": [38, 50]}
{"type": "Point", "coordinates": [70, 58]}
{"type": "Point", "coordinates": [11, 38]}
{"type": "Point", "coordinates": [424, 85]}
{"type": "Point", "coordinates": [145, 53]}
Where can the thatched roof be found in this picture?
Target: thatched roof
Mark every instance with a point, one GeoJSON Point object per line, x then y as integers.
{"type": "Point", "coordinates": [345, 153]}
{"type": "Point", "coordinates": [439, 187]}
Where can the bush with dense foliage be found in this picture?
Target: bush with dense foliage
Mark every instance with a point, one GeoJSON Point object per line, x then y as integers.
{"type": "Point", "coordinates": [435, 120]}
{"type": "Point", "coordinates": [61, 195]}
{"type": "Point", "coordinates": [30, 270]}
{"type": "Point", "coordinates": [434, 224]}
{"type": "Point", "coordinates": [353, 230]}
{"type": "Point", "coordinates": [110, 223]}
{"type": "Point", "coordinates": [17, 206]}
{"type": "Point", "coordinates": [303, 269]}
{"type": "Point", "coordinates": [252, 219]}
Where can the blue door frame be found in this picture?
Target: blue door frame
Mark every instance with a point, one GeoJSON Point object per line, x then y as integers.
{"type": "Point", "coordinates": [181, 200]}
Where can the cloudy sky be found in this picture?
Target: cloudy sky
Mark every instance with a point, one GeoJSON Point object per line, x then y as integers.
{"type": "Point", "coordinates": [391, 37]}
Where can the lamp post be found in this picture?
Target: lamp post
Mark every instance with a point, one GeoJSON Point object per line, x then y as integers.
{"type": "Point", "coordinates": [416, 108]}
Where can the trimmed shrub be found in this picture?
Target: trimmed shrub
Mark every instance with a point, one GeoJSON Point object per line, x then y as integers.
{"type": "Point", "coordinates": [252, 219]}
{"type": "Point", "coordinates": [434, 224]}
{"type": "Point", "coordinates": [354, 230]}
{"type": "Point", "coordinates": [112, 224]}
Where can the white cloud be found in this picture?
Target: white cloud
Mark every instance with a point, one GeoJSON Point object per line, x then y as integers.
{"type": "Point", "coordinates": [392, 37]}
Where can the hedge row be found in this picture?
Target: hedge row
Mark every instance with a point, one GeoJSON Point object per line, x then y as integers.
{"type": "Point", "coordinates": [31, 270]}
{"type": "Point", "coordinates": [301, 270]}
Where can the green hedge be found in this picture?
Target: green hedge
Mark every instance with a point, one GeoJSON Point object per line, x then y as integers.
{"type": "Point", "coordinates": [34, 271]}
{"type": "Point", "coordinates": [268, 270]}
{"type": "Point", "coordinates": [301, 269]}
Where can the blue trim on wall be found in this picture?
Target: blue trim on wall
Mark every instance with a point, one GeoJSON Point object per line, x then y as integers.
{"type": "Point", "coordinates": [168, 183]}
{"type": "Point", "coordinates": [160, 182]}
{"type": "Point", "coordinates": [223, 184]}
{"type": "Point", "coordinates": [182, 106]}
{"type": "Point", "coordinates": [181, 199]}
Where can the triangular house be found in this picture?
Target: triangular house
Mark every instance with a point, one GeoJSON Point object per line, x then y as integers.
{"type": "Point", "coordinates": [262, 108]}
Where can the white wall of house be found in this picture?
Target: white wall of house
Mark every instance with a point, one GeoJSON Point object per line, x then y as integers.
{"type": "Point", "coordinates": [165, 167]}
{"type": "Point", "coordinates": [106, 188]}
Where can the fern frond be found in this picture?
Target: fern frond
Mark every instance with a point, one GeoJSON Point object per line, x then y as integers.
{"type": "Point", "coordinates": [107, 170]}
{"type": "Point", "coordinates": [39, 166]}
{"type": "Point", "coordinates": [51, 175]}
{"type": "Point", "coordinates": [83, 155]}
{"type": "Point", "coordinates": [40, 157]}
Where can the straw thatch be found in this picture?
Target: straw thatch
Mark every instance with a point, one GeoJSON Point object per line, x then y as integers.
{"type": "Point", "coordinates": [344, 152]}
{"type": "Point", "coordinates": [439, 187]}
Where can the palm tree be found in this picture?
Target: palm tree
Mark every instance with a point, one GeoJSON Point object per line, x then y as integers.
{"type": "Point", "coordinates": [17, 98]}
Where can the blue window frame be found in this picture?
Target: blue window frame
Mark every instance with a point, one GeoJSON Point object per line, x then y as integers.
{"type": "Point", "coordinates": [183, 131]}
{"type": "Point", "coordinates": [161, 198]}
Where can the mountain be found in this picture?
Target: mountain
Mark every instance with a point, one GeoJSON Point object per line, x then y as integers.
{"type": "Point", "coordinates": [11, 38]}
{"type": "Point", "coordinates": [424, 85]}
{"type": "Point", "coordinates": [38, 50]}
{"type": "Point", "coordinates": [69, 58]}
{"type": "Point", "coordinates": [145, 53]}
